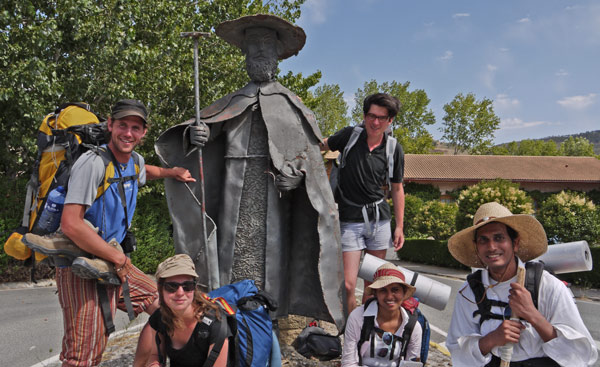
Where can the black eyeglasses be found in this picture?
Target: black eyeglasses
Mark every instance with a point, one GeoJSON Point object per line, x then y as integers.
{"type": "Point", "coordinates": [371, 117]}
{"type": "Point", "coordinates": [172, 287]}
{"type": "Point", "coordinates": [388, 339]}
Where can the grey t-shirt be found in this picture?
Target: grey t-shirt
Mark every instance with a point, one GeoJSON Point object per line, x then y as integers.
{"type": "Point", "coordinates": [87, 174]}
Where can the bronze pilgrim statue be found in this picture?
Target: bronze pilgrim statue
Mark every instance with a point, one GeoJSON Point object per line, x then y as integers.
{"type": "Point", "coordinates": [265, 183]}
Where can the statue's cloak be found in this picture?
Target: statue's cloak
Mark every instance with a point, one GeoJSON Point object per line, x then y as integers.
{"type": "Point", "coordinates": [303, 258]}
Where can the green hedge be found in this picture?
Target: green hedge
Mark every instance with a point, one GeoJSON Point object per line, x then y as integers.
{"type": "Point", "coordinates": [433, 252]}
{"type": "Point", "coordinates": [430, 252]}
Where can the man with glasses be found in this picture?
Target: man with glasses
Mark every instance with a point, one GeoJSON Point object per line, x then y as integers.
{"type": "Point", "coordinates": [365, 215]}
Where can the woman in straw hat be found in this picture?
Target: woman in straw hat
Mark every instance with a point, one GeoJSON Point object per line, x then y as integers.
{"type": "Point", "coordinates": [551, 335]}
{"type": "Point", "coordinates": [383, 347]}
{"type": "Point", "coordinates": [188, 326]}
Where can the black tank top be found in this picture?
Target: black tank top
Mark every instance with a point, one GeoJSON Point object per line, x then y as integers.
{"type": "Point", "coordinates": [195, 351]}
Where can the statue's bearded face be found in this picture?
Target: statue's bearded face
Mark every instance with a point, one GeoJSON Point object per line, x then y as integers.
{"type": "Point", "coordinates": [261, 53]}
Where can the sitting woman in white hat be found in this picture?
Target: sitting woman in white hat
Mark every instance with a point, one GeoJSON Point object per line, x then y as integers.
{"type": "Point", "coordinates": [553, 334]}
{"type": "Point", "coordinates": [383, 345]}
{"type": "Point", "coordinates": [187, 327]}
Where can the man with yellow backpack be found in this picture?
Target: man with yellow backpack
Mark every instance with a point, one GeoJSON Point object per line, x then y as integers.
{"type": "Point", "coordinates": [102, 190]}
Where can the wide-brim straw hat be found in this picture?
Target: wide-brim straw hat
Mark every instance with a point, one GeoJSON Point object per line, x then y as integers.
{"type": "Point", "coordinates": [180, 264]}
{"type": "Point", "coordinates": [388, 274]}
{"type": "Point", "coordinates": [532, 237]}
{"type": "Point", "coordinates": [290, 36]}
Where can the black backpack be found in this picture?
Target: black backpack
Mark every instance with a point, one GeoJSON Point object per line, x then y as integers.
{"type": "Point", "coordinates": [533, 275]}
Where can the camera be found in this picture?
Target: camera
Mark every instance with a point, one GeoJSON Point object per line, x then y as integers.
{"type": "Point", "coordinates": [129, 243]}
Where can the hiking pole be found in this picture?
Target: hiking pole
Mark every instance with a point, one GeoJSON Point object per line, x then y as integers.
{"type": "Point", "coordinates": [507, 349]}
{"type": "Point", "coordinates": [212, 263]}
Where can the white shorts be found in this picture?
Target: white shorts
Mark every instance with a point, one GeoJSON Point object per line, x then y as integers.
{"type": "Point", "coordinates": [354, 236]}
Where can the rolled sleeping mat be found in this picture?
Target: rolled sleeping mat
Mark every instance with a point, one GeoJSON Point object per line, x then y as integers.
{"type": "Point", "coordinates": [568, 257]}
{"type": "Point", "coordinates": [429, 291]}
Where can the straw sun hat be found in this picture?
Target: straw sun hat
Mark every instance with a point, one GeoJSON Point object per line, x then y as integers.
{"type": "Point", "coordinates": [532, 237]}
{"type": "Point", "coordinates": [291, 37]}
{"type": "Point", "coordinates": [388, 274]}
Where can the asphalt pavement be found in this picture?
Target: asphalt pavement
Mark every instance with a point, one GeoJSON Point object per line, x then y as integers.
{"type": "Point", "coordinates": [31, 313]}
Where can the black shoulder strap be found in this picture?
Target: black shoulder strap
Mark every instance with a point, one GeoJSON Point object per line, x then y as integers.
{"type": "Point", "coordinates": [484, 304]}
{"type": "Point", "coordinates": [408, 329]}
{"type": "Point", "coordinates": [221, 335]}
{"type": "Point", "coordinates": [365, 331]}
{"type": "Point", "coordinates": [533, 276]}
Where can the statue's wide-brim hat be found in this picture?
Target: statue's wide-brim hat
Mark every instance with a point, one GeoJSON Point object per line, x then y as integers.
{"type": "Point", "coordinates": [290, 36]}
{"type": "Point", "coordinates": [532, 237]}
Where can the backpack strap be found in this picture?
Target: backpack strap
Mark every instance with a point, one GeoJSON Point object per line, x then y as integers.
{"type": "Point", "coordinates": [221, 335]}
{"type": "Point", "coordinates": [407, 333]}
{"type": "Point", "coordinates": [533, 276]}
{"type": "Point", "coordinates": [366, 330]}
{"type": "Point", "coordinates": [390, 149]}
{"type": "Point", "coordinates": [356, 131]}
{"type": "Point", "coordinates": [484, 304]}
{"type": "Point", "coordinates": [105, 308]}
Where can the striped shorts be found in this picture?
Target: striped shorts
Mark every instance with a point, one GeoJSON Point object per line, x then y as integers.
{"type": "Point", "coordinates": [85, 337]}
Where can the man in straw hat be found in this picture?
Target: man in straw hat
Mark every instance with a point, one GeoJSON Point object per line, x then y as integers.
{"type": "Point", "coordinates": [553, 334]}
{"type": "Point", "coordinates": [265, 183]}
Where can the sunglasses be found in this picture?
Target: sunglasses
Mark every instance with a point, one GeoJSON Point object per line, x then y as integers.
{"type": "Point", "coordinates": [388, 339]}
{"type": "Point", "coordinates": [172, 287]}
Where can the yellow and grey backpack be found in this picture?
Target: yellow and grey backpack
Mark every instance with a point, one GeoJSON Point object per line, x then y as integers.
{"type": "Point", "coordinates": [63, 136]}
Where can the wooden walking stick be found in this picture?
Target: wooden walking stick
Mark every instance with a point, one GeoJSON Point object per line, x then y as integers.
{"type": "Point", "coordinates": [212, 261]}
{"type": "Point", "coordinates": [507, 350]}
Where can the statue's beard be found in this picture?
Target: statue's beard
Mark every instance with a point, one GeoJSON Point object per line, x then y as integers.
{"type": "Point", "coordinates": [261, 71]}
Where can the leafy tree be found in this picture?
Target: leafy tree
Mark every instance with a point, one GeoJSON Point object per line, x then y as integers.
{"type": "Point", "coordinates": [409, 126]}
{"type": "Point", "coordinates": [577, 146]}
{"type": "Point", "coordinates": [469, 125]}
{"type": "Point", "coordinates": [98, 52]}
{"type": "Point", "coordinates": [569, 216]}
{"type": "Point", "coordinates": [301, 85]}
{"type": "Point", "coordinates": [501, 191]}
{"type": "Point", "coordinates": [330, 108]}
{"type": "Point", "coordinates": [528, 147]}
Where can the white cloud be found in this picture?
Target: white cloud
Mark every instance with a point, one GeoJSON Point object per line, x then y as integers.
{"type": "Point", "coordinates": [504, 102]}
{"type": "Point", "coordinates": [578, 102]}
{"type": "Point", "coordinates": [561, 73]}
{"type": "Point", "coordinates": [524, 20]}
{"type": "Point", "coordinates": [488, 75]}
{"type": "Point", "coordinates": [315, 11]}
{"type": "Point", "coordinates": [461, 15]}
{"type": "Point", "coordinates": [504, 49]}
{"type": "Point", "coordinates": [447, 55]}
{"type": "Point", "coordinates": [517, 123]}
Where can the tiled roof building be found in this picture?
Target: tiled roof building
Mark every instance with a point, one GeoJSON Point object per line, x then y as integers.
{"type": "Point", "coordinates": [543, 173]}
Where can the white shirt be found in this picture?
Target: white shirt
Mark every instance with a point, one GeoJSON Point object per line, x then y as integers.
{"type": "Point", "coordinates": [573, 345]}
{"type": "Point", "coordinates": [352, 335]}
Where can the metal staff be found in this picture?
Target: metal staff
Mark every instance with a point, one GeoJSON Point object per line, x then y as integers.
{"type": "Point", "coordinates": [212, 263]}
{"type": "Point", "coordinates": [507, 350]}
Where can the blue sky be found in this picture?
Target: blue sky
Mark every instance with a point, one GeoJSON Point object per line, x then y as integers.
{"type": "Point", "coordinates": [538, 60]}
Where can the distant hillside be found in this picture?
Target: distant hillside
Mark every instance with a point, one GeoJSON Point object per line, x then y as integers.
{"type": "Point", "coordinates": [591, 136]}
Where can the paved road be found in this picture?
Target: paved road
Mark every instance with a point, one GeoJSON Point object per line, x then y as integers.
{"type": "Point", "coordinates": [31, 324]}
{"type": "Point", "coordinates": [31, 320]}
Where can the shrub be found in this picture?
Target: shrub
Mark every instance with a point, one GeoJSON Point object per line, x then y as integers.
{"type": "Point", "coordinates": [412, 208]}
{"type": "Point", "coordinates": [423, 191]}
{"type": "Point", "coordinates": [432, 252]}
{"type": "Point", "coordinates": [501, 191]}
{"type": "Point", "coordinates": [12, 200]}
{"type": "Point", "coordinates": [437, 219]}
{"type": "Point", "coordinates": [152, 227]}
{"type": "Point", "coordinates": [569, 216]}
